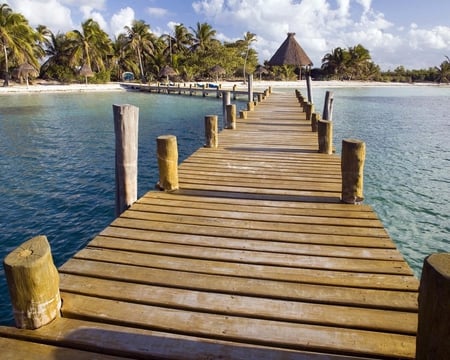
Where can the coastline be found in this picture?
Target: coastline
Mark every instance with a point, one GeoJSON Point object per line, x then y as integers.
{"type": "Point", "coordinates": [257, 84]}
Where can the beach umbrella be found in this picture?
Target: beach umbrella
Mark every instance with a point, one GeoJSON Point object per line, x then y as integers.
{"type": "Point", "coordinates": [217, 70]}
{"type": "Point", "coordinates": [86, 72]}
{"type": "Point", "coordinates": [290, 53]}
{"type": "Point", "coordinates": [167, 71]}
{"type": "Point", "coordinates": [261, 70]}
{"type": "Point", "coordinates": [27, 69]}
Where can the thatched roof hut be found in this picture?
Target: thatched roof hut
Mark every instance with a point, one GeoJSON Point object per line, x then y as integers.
{"type": "Point", "coordinates": [290, 53]}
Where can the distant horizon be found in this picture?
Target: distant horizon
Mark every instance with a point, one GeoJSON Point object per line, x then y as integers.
{"type": "Point", "coordinates": [412, 33]}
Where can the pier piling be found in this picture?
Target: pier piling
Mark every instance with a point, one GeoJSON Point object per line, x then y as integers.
{"type": "Point", "coordinates": [33, 283]}
{"type": "Point", "coordinates": [167, 152]}
{"type": "Point", "coordinates": [352, 167]}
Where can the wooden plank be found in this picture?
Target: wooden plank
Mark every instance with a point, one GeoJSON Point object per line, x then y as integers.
{"type": "Point", "coordinates": [312, 238]}
{"type": "Point", "coordinates": [238, 305]}
{"type": "Point", "coordinates": [143, 344]}
{"type": "Point", "coordinates": [241, 329]}
{"type": "Point", "coordinates": [14, 349]}
{"type": "Point", "coordinates": [159, 237]}
{"type": "Point", "coordinates": [384, 292]}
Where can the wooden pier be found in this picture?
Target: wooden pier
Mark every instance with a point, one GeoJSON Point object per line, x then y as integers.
{"type": "Point", "coordinates": [254, 257]}
{"type": "Point", "coordinates": [203, 90]}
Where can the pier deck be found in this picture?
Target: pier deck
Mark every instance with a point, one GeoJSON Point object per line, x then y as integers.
{"type": "Point", "coordinates": [254, 258]}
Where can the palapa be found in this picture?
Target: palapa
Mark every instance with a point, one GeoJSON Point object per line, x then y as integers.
{"type": "Point", "coordinates": [27, 69]}
{"type": "Point", "coordinates": [290, 53]}
{"type": "Point", "coordinates": [86, 72]}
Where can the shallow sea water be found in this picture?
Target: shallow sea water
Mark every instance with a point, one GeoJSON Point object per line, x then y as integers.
{"type": "Point", "coordinates": [57, 162]}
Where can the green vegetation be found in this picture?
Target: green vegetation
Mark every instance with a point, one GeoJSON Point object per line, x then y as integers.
{"type": "Point", "coordinates": [192, 53]}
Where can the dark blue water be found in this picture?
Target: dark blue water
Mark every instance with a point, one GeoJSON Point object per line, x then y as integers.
{"type": "Point", "coordinates": [57, 162]}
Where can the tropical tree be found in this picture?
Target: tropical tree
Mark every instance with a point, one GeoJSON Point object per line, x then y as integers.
{"type": "Point", "coordinates": [141, 41]}
{"type": "Point", "coordinates": [333, 63]}
{"type": "Point", "coordinates": [17, 40]}
{"type": "Point", "coordinates": [58, 51]}
{"type": "Point", "coordinates": [177, 44]}
{"type": "Point", "coordinates": [203, 37]}
{"type": "Point", "coordinates": [91, 46]}
{"type": "Point", "coordinates": [249, 38]}
{"type": "Point", "coordinates": [443, 71]}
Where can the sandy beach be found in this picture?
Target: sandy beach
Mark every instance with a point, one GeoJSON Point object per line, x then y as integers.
{"type": "Point", "coordinates": [225, 85]}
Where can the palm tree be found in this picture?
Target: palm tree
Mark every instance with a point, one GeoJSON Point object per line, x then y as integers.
{"type": "Point", "coordinates": [179, 43]}
{"type": "Point", "coordinates": [443, 71]}
{"type": "Point", "coordinates": [333, 63]}
{"type": "Point", "coordinates": [203, 37]}
{"type": "Point", "coordinates": [249, 38]}
{"type": "Point", "coordinates": [140, 40]}
{"type": "Point", "coordinates": [17, 40]}
{"type": "Point", "coordinates": [90, 46]}
{"type": "Point", "coordinates": [57, 51]}
{"type": "Point", "coordinates": [358, 61]}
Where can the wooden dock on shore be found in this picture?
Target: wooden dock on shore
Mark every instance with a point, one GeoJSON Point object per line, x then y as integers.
{"type": "Point", "coordinates": [191, 90]}
{"type": "Point", "coordinates": [254, 257]}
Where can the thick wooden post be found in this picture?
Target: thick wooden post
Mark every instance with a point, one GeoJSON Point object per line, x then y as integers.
{"type": "Point", "coordinates": [308, 86]}
{"type": "Point", "coordinates": [126, 131]}
{"type": "Point", "coordinates": [315, 117]}
{"type": "Point", "coordinates": [325, 136]}
{"type": "Point", "coordinates": [211, 131]}
{"type": "Point", "coordinates": [226, 100]}
{"type": "Point", "coordinates": [243, 114]}
{"type": "Point", "coordinates": [234, 92]}
{"type": "Point", "coordinates": [33, 283]}
{"type": "Point", "coordinates": [250, 87]}
{"type": "Point", "coordinates": [309, 110]}
{"type": "Point", "coordinates": [327, 113]}
{"type": "Point", "coordinates": [352, 168]}
{"type": "Point", "coordinates": [433, 333]}
{"type": "Point", "coordinates": [231, 117]}
{"type": "Point", "coordinates": [167, 152]}
{"type": "Point", "coordinates": [250, 106]}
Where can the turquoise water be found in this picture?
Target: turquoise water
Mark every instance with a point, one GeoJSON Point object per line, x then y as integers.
{"type": "Point", "coordinates": [57, 162]}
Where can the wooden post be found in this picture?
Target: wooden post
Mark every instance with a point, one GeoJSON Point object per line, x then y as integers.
{"type": "Point", "coordinates": [308, 85]}
{"type": "Point", "coordinates": [33, 283]}
{"type": "Point", "coordinates": [167, 152]}
{"type": "Point", "coordinates": [325, 136]}
{"type": "Point", "coordinates": [250, 106]}
{"type": "Point", "coordinates": [250, 87]}
{"type": "Point", "coordinates": [243, 114]}
{"type": "Point", "coordinates": [234, 92]}
{"type": "Point", "coordinates": [352, 168]}
{"type": "Point", "coordinates": [126, 131]}
{"type": "Point", "coordinates": [225, 101]}
{"type": "Point", "coordinates": [315, 117]}
{"type": "Point", "coordinates": [433, 331]}
{"type": "Point", "coordinates": [231, 117]}
{"type": "Point", "coordinates": [260, 97]}
{"type": "Point", "coordinates": [327, 113]}
{"type": "Point", "coordinates": [211, 131]}
{"type": "Point", "coordinates": [309, 110]}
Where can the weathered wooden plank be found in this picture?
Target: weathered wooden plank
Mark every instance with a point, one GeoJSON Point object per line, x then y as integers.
{"type": "Point", "coordinates": [14, 349]}
{"type": "Point", "coordinates": [219, 212]}
{"type": "Point", "coordinates": [145, 344]}
{"type": "Point", "coordinates": [238, 305]}
{"type": "Point", "coordinates": [218, 243]}
{"type": "Point", "coordinates": [241, 329]}
{"type": "Point", "coordinates": [260, 272]}
{"type": "Point", "coordinates": [313, 238]}
{"type": "Point", "coordinates": [318, 228]}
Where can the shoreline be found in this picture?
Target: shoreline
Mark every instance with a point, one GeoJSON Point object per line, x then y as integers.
{"type": "Point", "coordinates": [257, 85]}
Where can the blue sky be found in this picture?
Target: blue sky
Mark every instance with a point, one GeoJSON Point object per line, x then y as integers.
{"type": "Point", "coordinates": [413, 33]}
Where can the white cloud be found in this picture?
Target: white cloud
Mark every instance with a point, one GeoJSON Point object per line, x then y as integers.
{"type": "Point", "coordinates": [157, 12]}
{"type": "Point", "coordinates": [434, 38]}
{"type": "Point", "coordinates": [90, 13]}
{"type": "Point", "coordinates": [121, 19]}
{"type": "Point", "coordinates": [44, 12]}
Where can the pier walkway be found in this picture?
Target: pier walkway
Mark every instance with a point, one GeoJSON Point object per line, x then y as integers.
{"type": "Point", "coordinates": [253, 258]}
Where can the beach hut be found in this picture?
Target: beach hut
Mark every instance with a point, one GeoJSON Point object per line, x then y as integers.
{"type": "Point", "coordinates": [291, 53]}
{"type": "Point", "coordinates": [26, 70]}
{"type": "Point", "coordinates": [167, 71]}
{"type": "Point", "coordinates": [217, 70]}
{"type": "Point", "coordinates": [86, 72]}
{"type": "Point", "coordinates": [260, 70]}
